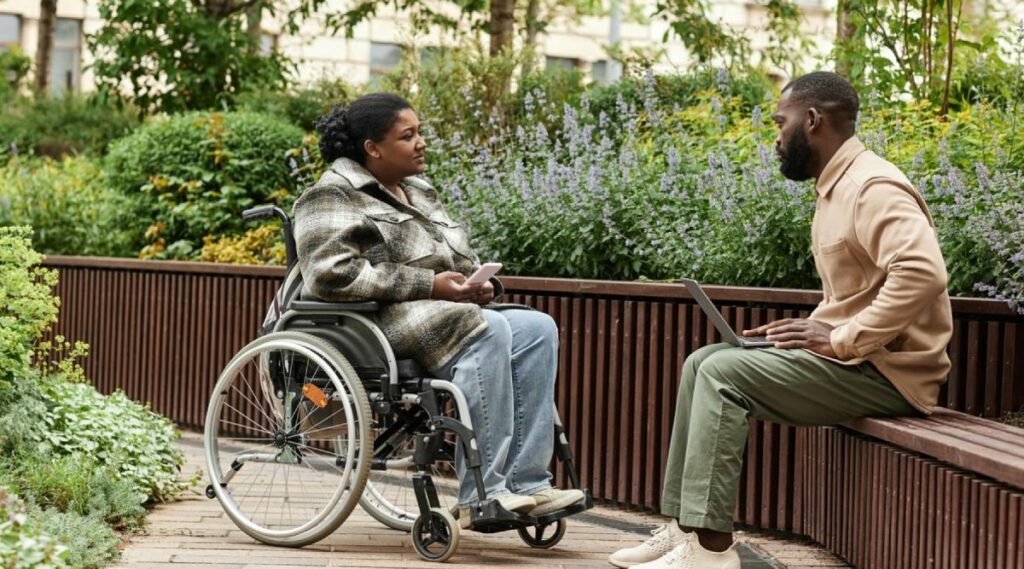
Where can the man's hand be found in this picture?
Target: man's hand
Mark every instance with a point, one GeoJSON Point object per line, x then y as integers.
{"type": "Point", "coordinates": [797, 333]}
{"type": "Point", "coordinates": [452, 286]}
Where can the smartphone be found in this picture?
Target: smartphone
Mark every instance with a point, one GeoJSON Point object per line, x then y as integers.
{"type": "Point", "coordinates": [484, 273]}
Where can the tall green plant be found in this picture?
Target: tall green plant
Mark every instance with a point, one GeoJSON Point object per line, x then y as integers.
{"type": "Point", "coordinates": [27, 308]}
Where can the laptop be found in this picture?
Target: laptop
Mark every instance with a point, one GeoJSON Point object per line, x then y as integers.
{"type": "Point", "coordinates": [728, 334]}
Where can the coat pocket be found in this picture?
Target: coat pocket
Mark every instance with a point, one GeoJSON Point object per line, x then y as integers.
{"type": "Point", "coordinates": [404, 239]}
{"type": "Point", "coordinates": [455, 236]}
{"type": "Point", "coordinates": [841, 270]}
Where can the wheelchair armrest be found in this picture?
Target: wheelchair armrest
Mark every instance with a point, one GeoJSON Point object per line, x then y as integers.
{"type": "Point", "coordinates": [319, 306]}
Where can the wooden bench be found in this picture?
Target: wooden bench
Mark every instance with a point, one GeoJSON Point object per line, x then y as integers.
{"type": "Point", "coordinates": [945, 491]}
{"type": "Point", "coordinates": [973, 444]}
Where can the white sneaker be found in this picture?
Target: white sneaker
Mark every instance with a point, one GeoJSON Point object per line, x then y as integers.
{"type": "Point", "coordinates": [552, 499]}
{"type": "Point", "coordinates": [511, 502]}
{"type": "Point", "coordinates": [663, 540]}
{"type": "Point", "coordinates": [691, 555]}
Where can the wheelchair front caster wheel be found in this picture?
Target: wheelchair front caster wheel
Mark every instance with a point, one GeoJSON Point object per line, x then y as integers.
{"type": "Point", "coordinates": [543, 536]}
{"type": "Point", "coordinates": [435, 537]}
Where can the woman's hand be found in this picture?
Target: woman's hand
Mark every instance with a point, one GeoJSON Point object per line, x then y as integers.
{"type": "Point", "coordinates": [485, 294]}
{"type": "Point", "coordinates": [452, 286]}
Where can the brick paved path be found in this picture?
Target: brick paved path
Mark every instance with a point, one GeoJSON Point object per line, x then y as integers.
{"type": "Point", "coordinates": [194, 533]}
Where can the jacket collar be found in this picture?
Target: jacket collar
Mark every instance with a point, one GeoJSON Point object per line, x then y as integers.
{"type": "Point", "coordinates": [838, 165]}
{"type": "Point", "coordinates": [361, 178]}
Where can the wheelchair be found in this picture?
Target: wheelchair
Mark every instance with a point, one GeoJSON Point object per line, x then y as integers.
{"type": "Point", "coordinates": [317, 415]}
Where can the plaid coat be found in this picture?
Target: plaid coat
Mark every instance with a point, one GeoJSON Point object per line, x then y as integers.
{"type": "Point", "coordinates": [357, 242]}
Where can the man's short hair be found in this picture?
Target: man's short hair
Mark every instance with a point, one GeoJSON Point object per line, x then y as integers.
{"type": "Point", "coordinates": [827, 91]}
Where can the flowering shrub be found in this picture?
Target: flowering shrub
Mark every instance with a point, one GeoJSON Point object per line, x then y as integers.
{"type": "Point", "coordinates": [659, 193]}
{"type": "Point", "coordinates": [261, 246]}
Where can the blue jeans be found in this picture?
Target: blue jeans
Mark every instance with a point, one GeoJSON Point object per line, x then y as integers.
{"type": "Point", "coordinates": [508, 377]}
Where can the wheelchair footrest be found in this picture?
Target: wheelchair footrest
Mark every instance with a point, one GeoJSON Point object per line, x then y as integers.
{"type": "Point", "coordinates": [491, 517]}
{"type": "Point", "coordinates": [577, 508]}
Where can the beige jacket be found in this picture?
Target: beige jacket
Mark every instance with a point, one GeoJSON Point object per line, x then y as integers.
{"type": "Point", "coordinates": [882, 272]}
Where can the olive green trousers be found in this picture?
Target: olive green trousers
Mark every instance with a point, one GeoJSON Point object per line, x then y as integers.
{"type": "Point", "coordinates": [723, 386]}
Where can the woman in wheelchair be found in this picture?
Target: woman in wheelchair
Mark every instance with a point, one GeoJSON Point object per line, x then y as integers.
{"type": "Point", "coordinates": [372, 229]}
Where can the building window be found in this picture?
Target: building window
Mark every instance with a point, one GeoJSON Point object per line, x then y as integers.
{"type": "Point", "coordinates": [561, 63]}
{"type": "Point", "coordinates": [383, 58]}
{"type": "Point", "coordinates": [66, 59]}
{"type": "Point", "coordinates": [10, 31]}
{"type": "Point", "coordinates": [268, 43]}
{"type": "Point", "coordinates": [599, 71]}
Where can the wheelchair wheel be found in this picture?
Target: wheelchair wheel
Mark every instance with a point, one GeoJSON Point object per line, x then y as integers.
{"type": "Point", "coordinates": [435, 537]}
{"type": "Point", "coordinates": [284, 430]}
{"type": "Point", "coordinates": [543, 536]}
{"type": "Point", "coordinates": [389, 497]}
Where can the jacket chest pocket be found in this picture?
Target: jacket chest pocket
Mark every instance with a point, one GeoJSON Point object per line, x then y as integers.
{"type": "Point", "coordinates": [455, 236]}
{"type": "Point", "coordinates": [404, 238]}
{"type": "Point", "coordinates": [840, 269]}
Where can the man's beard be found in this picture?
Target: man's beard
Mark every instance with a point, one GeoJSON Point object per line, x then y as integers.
{"type": "Point", "coordinates": [796, 158]}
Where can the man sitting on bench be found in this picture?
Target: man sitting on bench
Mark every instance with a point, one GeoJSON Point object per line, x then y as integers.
{"type": "Point", "coordinates": [875, 346]}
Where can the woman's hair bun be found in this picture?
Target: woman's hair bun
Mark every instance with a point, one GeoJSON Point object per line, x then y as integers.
{"type": "Point", "coordinates": [336, 139]}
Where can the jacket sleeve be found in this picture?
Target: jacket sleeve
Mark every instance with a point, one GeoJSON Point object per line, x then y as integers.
{"type": "Point", "coordinates": [329, 232]}
{"type": "Point", "coordinates": [900, 239]}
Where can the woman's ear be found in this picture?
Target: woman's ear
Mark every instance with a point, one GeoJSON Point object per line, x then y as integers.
{"type": "Point", "coordinates": [371, 149]}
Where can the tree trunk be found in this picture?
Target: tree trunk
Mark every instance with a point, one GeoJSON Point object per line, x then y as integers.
{"type": "Point", "coordinates": [47, 18]}
{"type": "Point", "coordinates": [502, 22]}
{"type": "Point", "coordinates": [253, 22]}
{"type": "Point", "coordinates": [950, 43]}
{"type": "Point", "coordinates": [844, 37]}
{"type": "Point", "coordinates": [532, 31]}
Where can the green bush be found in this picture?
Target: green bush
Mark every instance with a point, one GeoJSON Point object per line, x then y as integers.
{"type": "Point", "coordinates": [193, 174]}
{"type": "Point", "coordinates": [22, 544]}
{"type": "Point", "coordinates": [71, 124]}
{"type": "Point", "coordinates": [77, 483]}
{"type": "Point", "coordinates": [70, 206]}
{"type": "Point", "coordinates": [89, 541]}
{"type": "Point", "coordinates": [140, 445]}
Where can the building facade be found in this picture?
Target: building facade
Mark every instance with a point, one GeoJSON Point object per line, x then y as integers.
{"type": "Point", "coordinates": [377, 44]}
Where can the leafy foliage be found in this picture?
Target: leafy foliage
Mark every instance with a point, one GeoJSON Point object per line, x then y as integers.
{"type": "Point", "coordinates": [71, 124]}
{"type": "Point", "coordinates": [193, 174]}
{"type": "Point", "coordinates": [70, 206]}
{"type": "Point", "coordinates": [14, 67]}
{"type": "Point", "coordinates": [932, 51]}
{"type": "Point", "coordinates": [85, 463]}
{"type": "Point", "coordinates": [177, 55]}
{"type": "Point", "coordinates": [27, 308]}
{"type": "Point", "coordinates": [260, 246]}
{"type": "Point", "coordinates": [113, 430]}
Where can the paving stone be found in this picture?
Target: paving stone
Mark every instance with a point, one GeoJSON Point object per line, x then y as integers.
{"type": "Point", "coordinates": [195, 533]}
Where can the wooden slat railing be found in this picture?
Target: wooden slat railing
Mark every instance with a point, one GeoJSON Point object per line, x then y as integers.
{"type": "Point", "coordinates": [161, 331]}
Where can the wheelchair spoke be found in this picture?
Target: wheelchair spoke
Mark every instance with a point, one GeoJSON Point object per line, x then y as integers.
{"type": "Point", "coordinates": [256, 406]}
